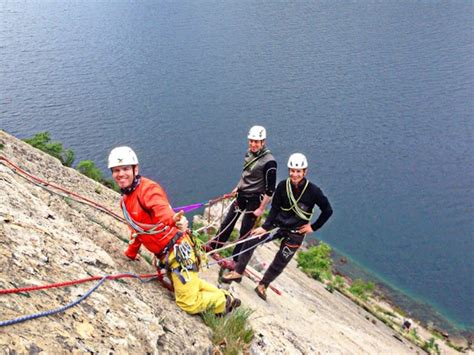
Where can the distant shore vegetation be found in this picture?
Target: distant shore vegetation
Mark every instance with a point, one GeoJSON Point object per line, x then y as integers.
{"type": "Point", "coordinates": [316, 262]}
{"type": "Point", "coordinates": [42, 141]}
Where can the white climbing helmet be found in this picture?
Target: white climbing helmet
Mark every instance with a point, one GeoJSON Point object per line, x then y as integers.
{"type": "Point", "coordinates": [122, 156]}
{"type": "Point", "coordinates": [297, 161]}
{"type": "Point", "coordinates": [257, 133]}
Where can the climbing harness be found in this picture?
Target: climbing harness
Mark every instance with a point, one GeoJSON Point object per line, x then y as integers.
{"type": "Point", "coordinates": [294, 202]}
{"type": "Point", "coordinates": [183, 253]}
{"type": "Point", "coordinates": [238, 213]}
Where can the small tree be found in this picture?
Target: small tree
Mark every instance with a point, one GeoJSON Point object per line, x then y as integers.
{"type": "Point", "coordinates": [42, 141]}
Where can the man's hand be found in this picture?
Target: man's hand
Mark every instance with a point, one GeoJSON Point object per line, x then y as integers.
{"type": "Point", "coordinates": [259, 231]}
{"type": "Point", "coordinates": [181, 221]}
{"type": "Point", "coordinates": [305, 229]}
{"type": "Point", "coordinates": [177, 216]}
{"type": "Point", "coordinates": [182, 224]}
{"type": "Point", "coordinates": [137, 257]}
{"type": "Point", "coordinates": [258, 212]}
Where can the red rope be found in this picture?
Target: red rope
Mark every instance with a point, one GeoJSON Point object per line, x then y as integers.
{"type": "Point", "coordinates": [80, 281]}
{"type": "Point", "coordinates": [93, 203]}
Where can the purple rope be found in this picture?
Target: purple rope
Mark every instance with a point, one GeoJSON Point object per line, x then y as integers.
{"type": "Point", "coordinates": [189, 208]}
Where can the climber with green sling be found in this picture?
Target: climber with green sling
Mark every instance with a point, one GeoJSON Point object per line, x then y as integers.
{"type": "Point", "coordinates": [292, 211]}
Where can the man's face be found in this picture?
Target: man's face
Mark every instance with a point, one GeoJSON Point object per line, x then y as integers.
{"type": "Point", "coordinates": [296, 175]}
{"type": "Point", "coordinates": [123, 175]}
{"type": "Point", "coordinates": [255, 145]}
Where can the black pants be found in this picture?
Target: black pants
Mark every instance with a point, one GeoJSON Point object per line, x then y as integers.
{"type": "Point", "coordinates": [290, 243]}
{"type": "Point", "coordinates": [249, 204]}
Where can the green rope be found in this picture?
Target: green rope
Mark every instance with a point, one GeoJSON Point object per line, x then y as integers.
{"type": "Point", "coordinates": [294, 203]}
{"type": "Point", "coordinates": [251, 162]}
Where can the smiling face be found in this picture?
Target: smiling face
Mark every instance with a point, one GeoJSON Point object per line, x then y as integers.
{"type": "Point", "coordinates": [296, 175]}
{"type": "Point", "coordinates": [124, 175]}
{"type": "Point", "coordinates": [255, 145]}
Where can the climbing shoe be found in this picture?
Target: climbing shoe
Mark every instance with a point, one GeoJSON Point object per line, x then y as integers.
{"type": "Point", "coordinates": [261, 292]}
{"type": "Point", "coordinates": [231, 303]}
{"type": "Point", "coordinates": [229, 278]}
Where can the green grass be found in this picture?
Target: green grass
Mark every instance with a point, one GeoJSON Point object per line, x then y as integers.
{"type": "Point", "coordinates": [231, 334]}
{"type": "Point", "coordinates": [431, 347]}
{"type": "Point", "coordinates": [362, 289]}
{"type": "Point", "coordinates": [316, 262]}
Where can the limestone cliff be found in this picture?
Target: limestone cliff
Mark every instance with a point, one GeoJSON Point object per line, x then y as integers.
{"type": "Point", "coordinates": [46, 238]}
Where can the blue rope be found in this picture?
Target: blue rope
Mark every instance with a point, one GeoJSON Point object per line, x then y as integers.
{"type": "Point", "coordinates": [62, 309]}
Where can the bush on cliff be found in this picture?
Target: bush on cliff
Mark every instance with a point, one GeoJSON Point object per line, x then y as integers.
{"type": "Point", "coordinates": [42, 141]}
{"type": "Point", "coordinates": [88, 168]}
{"type": "Point", "coordinates": [232, 333]}
{"type": "Point", "coordinates": [316, 262]}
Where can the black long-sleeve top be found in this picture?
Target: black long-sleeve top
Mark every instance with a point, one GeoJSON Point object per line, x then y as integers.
{"type": "Point", "coordinates": [288, 219]}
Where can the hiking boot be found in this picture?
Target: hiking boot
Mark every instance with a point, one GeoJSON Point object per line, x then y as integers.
{"type": "Point", "coordinates": [231, 303]}
{"type": "Point", "coordinates": [261, 291]}
{"type": "Point", "coordinates": [231, 277]}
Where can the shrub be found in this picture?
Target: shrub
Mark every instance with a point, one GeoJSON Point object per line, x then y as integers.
{"type": "Point", "coordinates": [231, 333]}
{"type": "Point", "coordinates": [42, 141]}
{"type": "Point", "coordinates": [88, 168]}
{"type": "Point", "coordinates": [316, 262]}
{"type": "Point", "coordinates": [362, 289]}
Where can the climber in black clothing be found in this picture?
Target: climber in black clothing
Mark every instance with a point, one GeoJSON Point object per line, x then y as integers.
{"type": "Point", "coordinates": [291, 212]}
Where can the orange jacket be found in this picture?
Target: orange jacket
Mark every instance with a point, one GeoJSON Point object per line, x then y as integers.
{"type": "Point", "coordinates": [148, 204]}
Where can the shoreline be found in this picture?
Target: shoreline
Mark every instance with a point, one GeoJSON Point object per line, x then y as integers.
{"type": "Point", "coordinates": [424, 313]}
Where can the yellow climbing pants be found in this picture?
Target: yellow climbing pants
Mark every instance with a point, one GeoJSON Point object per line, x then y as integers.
{"type": "Point", "coordinates": [196, 295]}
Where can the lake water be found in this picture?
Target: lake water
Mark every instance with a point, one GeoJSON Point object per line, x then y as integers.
{"type": "Point", "coordinates": [377, 94]}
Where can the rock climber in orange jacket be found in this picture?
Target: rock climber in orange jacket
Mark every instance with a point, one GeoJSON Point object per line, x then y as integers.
{"type": "Point", "coordinates": [163, 232]}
